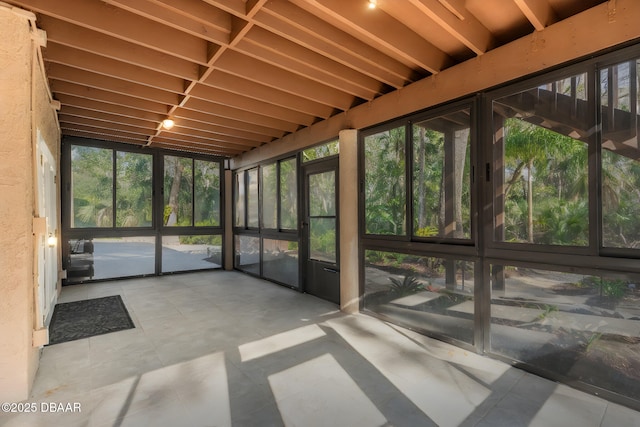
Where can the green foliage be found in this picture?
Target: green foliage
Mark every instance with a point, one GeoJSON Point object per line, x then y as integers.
{"type": "Point", "coordinates": [288, 194]}
{"type": "Point", "coordinates": [215, 240]}
{"type": "Point", "coordinates": [555, 168]}
{"type": "Point", "coordinates": [93, 175]}
{"type": "Point", "coordinates": [592, 340]}
{"type": "Point", "coordinates": [385, 197]}
{"type": "Point", "coordinates": [407, 286]}
{"type": "Point", "coordinates": [620, 195]}
{"type": "Point", "coordinates": [427, 231]}
{"type": "Point", "coordinates": [318, 152]}
{"type": "Point", "coordinates": [323, 241]}
{"type": "Point", "coordinates": [613, 288]}
{"type": "Point", "coordinates": [92, 183]}
{"type": "Point", "coordinates": [548, 309]}
{"type": "Point", "coordinates": [564, 223]}
{"type": "Point", "coordinates": [133, 189]}
{"type": "Point", "coordinates": [166, 213]}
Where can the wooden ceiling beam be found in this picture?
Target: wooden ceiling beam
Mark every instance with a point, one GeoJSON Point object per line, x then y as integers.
{"type": "Point", "coordinates": [166, 16]}
{"type": "Point", "coordinates": [87, 78]}
{"type": "Point", "coordinates": [462, 25]}
{"type": "Point", "coordinates": [293, 23]}
{"type": "Point", "coordinates": [101, 124]}
{"type": "Point", "coordinates": [177, 147]}
{"type": "Point", "coordinates": [234, 7]}
{"type": "Point", "coordinates": [266, 46]}
{"type": "Point", "coordinates": [81, 38]}
{"type": "Point", "coordinates": [166, 138]}
{"type": "Point", "coordinates": [538, 12]}
{"type": "Point", "coordinates": [60, 87]}
{"type": "Point", "coordinates": [109, 67]}
{"type": "Point", "coordinates": [68, 110]}
{"type": "Point", "coordinates": [199, 11]}
{"type": "Point", "coordinates": [74, 101]}
{"type": "Point", "coordinates": [221, 142]}
{"type": "Point", "coordinates": [102, 131]}
{"type": "Point", "coordinates": [204, 128]}
{"type": "Point", "coordinates": [219, 110]}
{"type": "Point", "coordinates": [222, 80]}
{"type": "Point", "coordinates": [209, 136]}
{"type": "Point", "coordinates": [232, 123]}
{"type": "Point", "coordinates": [227, 98]}
{"type": "Point", "coordinates": [261, 72]}
{"type": "Point", "coordinates": [110, 20]}
{"type": "Point", "coordinates": [379, 29]}
{"type": "Point", "coordinates": [103, 137]}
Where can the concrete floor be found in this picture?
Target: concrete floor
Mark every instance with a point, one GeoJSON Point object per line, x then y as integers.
{"type": "Point", "coordinates": [223, 348]}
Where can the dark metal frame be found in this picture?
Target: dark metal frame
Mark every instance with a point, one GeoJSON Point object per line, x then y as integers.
{"type": "Point", "coordinates": [593, 259]}
{"type": "Point", "coordinates": [325, 164]}
{"type": "Point", "coordinates": [260, 232]}
{"type": "Point", "coordinates": [157, 229]}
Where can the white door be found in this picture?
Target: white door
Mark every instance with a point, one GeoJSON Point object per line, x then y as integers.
{"type": "Point", "coordinates": [46, 248]}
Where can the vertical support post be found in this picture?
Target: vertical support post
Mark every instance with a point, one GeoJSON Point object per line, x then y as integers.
{"type": "Point", "coordinates": [497, 273]}
{"type": "Point", "coordinates": [633, 103]}
{"type": "Point", "coordinates": [449, 202]}
{"type": "Point", "coordinates": [228, 221]}
{"type": "Point", "coordinates": [349, 237]}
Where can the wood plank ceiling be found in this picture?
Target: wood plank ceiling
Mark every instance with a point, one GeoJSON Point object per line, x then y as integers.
{"type": "Point", "coordinates": [237, 74]}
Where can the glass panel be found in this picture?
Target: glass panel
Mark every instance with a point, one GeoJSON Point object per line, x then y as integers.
{"type": "Point", "coordinates": [91, 187]}
{"type": "Point", "coordinates": [108, 258]}
{"type": "Point", "coordinates": [280, 261]}
{"type": "Point", "coordinates": [441, 176]}
{"type": "Point", "coordinates": [288, 194]}
{"type": "Point", "coordinates": [178, 196]}
{"type": "Point", "coordinates": [207, 193]}
{"type": "Point", "coordinates": [322, 194]}
{"type": "Point", "coordinates": [427, 293]}
{"type": "Point", "coordinates": [541, 179]}
{"type": "Point", "coordinates": [252, 199]}
{"type": "Point", "coordinates": [322, 239]}
{"type": "Point", "coordinates": [183, 253]}
{"type": "Point", "coordinates": [269, 196]}
{"type": "Point", "coordinates": [238, 195]}
{"type": "Point", "coordinates": [134, 174]}
{"type": "Point", "coordinates": [580, 327]}
{"type": "Point", "coordinates": [320, 151]}
{"type": "Point", "coordinates": [620, 156]}
{"type": "Point", "coordinates": [575, 86]}
{"type": "Point", "coordinates": [247, 251]}
{"type": "Point", "coordinates": [384, 183]}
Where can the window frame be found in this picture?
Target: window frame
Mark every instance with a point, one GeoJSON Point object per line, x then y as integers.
{"type": "Point", "coordinates": [464, 246]}
{"type": "Point", "coordinates": [540, 252]}
{"type": "Point", "coordinates": [157, 229]}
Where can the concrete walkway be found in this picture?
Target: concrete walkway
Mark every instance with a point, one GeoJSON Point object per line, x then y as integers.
{"type": "Point", "coordinates": [223, 348]}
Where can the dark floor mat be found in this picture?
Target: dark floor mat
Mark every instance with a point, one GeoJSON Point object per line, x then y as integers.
{"type": "Point", "coordinates": [88, 318]}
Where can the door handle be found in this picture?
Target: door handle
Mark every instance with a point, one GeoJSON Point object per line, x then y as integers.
{"type": "Point", "coordinates": [330, 270]}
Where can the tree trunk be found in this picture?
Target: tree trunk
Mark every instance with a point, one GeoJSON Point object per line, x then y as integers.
{"type": "Point", "coordinates": [173, 194]}
{"type": "Point", "coordinates": [530, 201]}
{"type": "Point", "coordinates": [422, 221]}
{"type": "Point", "coordinates": [460, 151]}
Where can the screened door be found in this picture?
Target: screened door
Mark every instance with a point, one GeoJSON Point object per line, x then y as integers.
{"type": "Point", "coordinates": [320, 226]}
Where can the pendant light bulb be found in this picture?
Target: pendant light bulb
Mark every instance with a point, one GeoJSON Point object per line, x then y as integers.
{"type": "Point", "coordinates": [168, 123]}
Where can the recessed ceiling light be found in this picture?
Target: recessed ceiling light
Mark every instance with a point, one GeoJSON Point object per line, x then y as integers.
{"type": "Point", "coordinates": [373, 4]}
{"type": "Point", "coordinates": [168, 123]}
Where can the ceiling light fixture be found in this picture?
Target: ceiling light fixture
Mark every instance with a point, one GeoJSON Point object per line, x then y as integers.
{"type": "Point", "coordinates": [168, 123]}
{"type": "Point", "coordinates": [373, 4]}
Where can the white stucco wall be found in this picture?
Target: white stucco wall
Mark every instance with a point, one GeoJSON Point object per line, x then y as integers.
{"type": "Point", "coordinates": [18, 358]}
